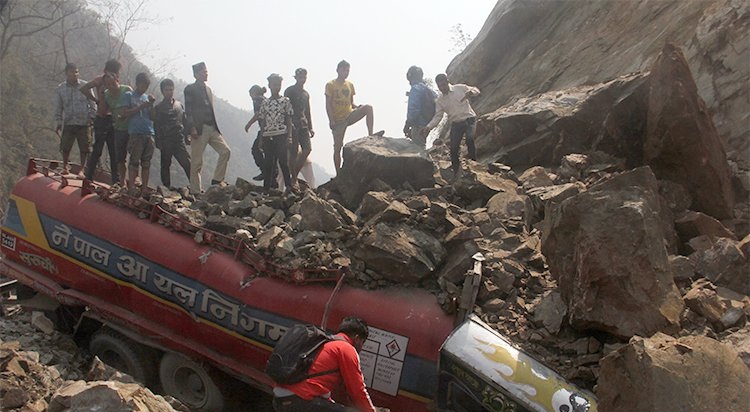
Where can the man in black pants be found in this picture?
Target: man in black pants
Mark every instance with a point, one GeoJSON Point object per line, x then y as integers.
{"type": "Point", "coordinates": [302, 121]}
{"type": "Point", "coordinates": [454, 101]}
{"type": "Point", "coordinates": [276, 114]}
{"type": "Point", "coordinates": [104, 131]}
{"type": "Point", "coordinates": [169, 124]}
{"type": "Point", "coordinates": [257, 95]}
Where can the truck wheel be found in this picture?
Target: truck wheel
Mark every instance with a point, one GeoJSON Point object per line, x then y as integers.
{"type": "Point", "coordinates": [190, 382]}
{"type": "Point", "coordinates": [124, 355]}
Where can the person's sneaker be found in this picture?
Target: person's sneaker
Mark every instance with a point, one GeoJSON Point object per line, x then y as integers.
{"type": "Point", "coordinates": [65, 171]}
{"type": "Point", "coordinates": [219, 183]}
{"type": "Point", "coordinates": [259, 177]}
{"type": "Point", "coordinates": [380, 133]}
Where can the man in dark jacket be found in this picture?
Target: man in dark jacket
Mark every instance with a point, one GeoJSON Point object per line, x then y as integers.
{"type": "Point", "coordinates": [203, 130]}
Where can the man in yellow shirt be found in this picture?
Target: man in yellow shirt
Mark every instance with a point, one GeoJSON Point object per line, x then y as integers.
{"type": "Point", "coordinates": [342, 112]}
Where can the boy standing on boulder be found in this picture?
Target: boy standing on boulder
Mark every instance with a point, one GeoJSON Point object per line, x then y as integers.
{"type": "Point", "coordinates": [342, 112]}
{"type": "Point", "coordinates": [454, 101]}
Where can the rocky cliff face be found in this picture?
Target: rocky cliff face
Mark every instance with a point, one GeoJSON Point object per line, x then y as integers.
{"type": "Point", "coordinates": [528, 47]}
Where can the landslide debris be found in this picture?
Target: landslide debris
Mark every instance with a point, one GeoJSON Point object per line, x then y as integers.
{"type": "Point", "coordinates": [597, 248]}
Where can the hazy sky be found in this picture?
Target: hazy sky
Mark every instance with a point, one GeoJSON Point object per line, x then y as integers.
{"type": "Point", "coordinates": [243, 41]}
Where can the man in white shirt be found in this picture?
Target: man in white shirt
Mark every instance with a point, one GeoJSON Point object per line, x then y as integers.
{"type": "Point", "coordinates": [454, 101]}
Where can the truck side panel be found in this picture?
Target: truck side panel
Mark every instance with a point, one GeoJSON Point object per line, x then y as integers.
{"type": "Point", "coordinates": [203, 302]}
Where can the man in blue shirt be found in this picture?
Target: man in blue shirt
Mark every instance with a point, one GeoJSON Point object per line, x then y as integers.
{"type": "Point", "coordinates": [421, 107]}
{"type": "Point", "coordinates": [140, 129]}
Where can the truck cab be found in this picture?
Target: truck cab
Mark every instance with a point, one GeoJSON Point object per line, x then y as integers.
{"type": "Point", "coordinates": [481, 371]}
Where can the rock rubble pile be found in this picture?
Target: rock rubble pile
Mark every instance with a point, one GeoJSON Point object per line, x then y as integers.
{"type": "Point", "coordinates": [613, 231]}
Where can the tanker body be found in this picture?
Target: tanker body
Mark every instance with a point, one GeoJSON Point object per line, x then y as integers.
{"type": "Point", "coordinates": [168, 292]}
{"type": "Point", "coordinates": [187, 311]}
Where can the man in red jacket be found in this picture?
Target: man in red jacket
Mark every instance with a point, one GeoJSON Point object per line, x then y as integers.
{"type": "Point", "coordinates": [340, 356]}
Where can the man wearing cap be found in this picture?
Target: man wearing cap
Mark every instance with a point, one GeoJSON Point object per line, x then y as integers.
{"type": "Point", "coordinates": [201, 124]}
{"type": "Point", "coordinates": [276, 116]}
{"type": "Point", "coordinates": [342, 112]}
{"type": "Point", "coordinates": [302, 121]}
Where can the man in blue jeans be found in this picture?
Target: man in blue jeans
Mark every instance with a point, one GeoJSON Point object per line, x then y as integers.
{"type": "Point", "coordinates": [454, 101]}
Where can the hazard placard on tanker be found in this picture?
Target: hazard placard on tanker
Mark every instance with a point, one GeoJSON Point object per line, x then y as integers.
{"type": "Point", "coordinates": [382, 360]}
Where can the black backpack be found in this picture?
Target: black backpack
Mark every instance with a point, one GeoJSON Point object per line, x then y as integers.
{"type": "Point", "coordinates": [295, 352]}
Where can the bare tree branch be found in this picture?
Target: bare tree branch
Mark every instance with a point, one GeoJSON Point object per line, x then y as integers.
{"type": "Point", "coordinates": [22, 18]}
{"type": "Point", "coordinates": [122, 17]}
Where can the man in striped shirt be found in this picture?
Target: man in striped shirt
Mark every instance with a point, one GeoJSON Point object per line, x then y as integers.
{"type": "Point", "coordinates": [73, 115]}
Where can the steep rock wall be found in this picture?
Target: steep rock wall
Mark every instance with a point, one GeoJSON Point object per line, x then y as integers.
{"type": "Point", "coordinates": [528, 47]}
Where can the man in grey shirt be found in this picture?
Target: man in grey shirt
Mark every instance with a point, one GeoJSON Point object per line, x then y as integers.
{"type": "Point", "coordinates": [203, 130]}
{"type": "Point", "coordinates": [74, 115]}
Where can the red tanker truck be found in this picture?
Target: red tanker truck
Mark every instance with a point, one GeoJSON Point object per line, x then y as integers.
{"type": "Point", "coordinates": [182, 307]}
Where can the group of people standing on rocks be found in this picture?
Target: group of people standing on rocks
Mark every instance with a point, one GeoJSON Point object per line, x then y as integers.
{"type": "Point", "coordinates": [124, 119]}
{"type": "Point", "coordinates": [132, 124]}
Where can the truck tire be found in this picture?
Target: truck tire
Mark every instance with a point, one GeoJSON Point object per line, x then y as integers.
{"type": "Point", "coordinates": [190, 382]}
{"type": "Point", "coordinates": [124, 355]}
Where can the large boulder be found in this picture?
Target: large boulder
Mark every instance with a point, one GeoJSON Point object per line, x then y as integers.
{"type": "Point", "coordinates": [540, 130]}
{"type": "Point", "coordinates": [514, 54]}
{"type": "Point", "coordinates": [394, 161]}
{"type": "Point", "coordinates": [606, 249]}
{"type": "Point", "coordinates": [662, 373]}
{"type": "Point", "coordinates": [110, 396]}
{"type": "Point", "coordinates": [681, 142]}
{"type": "Point", "coordinates": [400, 253]}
